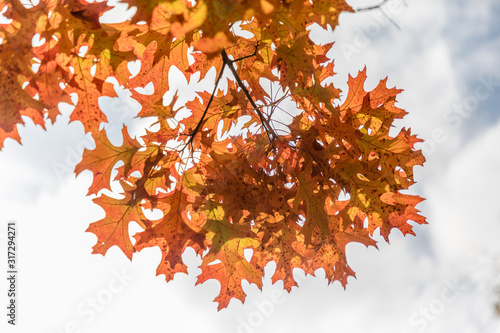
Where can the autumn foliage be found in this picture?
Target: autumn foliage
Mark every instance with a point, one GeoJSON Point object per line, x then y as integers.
{"type": "Point", "coordinates": [295, 192]}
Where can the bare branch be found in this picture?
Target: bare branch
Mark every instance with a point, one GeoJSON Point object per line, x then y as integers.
{"type": "Point", "coordinates": [196, 129]}
{"type": "Point", "coordinates": [270, 132]}
{"type": "Point", "coordinates": [379, 7]}
{"type": "Point", "coordinates": [364, 9]}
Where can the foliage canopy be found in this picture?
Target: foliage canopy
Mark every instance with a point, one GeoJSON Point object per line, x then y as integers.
{"type": "Point", "coordinates": [294, 192]}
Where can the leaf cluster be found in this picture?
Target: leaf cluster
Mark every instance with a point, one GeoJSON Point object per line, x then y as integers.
{"type": "Point", "coordinates": [294, 192]}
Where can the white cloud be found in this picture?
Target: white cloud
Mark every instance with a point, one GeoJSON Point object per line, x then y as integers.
{"type": "Point", "coordinates": [464, 206]}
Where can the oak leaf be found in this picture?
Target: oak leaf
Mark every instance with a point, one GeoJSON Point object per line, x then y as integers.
{"type": "Point", "coordinates": [104, 157]}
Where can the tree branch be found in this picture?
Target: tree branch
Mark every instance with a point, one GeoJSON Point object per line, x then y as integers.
{"type": "Point", "coordinates": [265, 122]}
{"type": "Point", "coordinates": [364, 9]}
{"type": "Point", "coordinates": [380, 7]}
{"type": "Point", "coordinates": [228, 62]}
{"type": "Point", "coordinates": [197, 128]}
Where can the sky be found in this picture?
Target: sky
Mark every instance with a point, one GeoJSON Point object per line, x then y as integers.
{"type": "Point", "coordinates": [445, 54]}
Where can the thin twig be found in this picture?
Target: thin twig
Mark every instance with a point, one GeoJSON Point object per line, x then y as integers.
{"type": "Point", "coordinates": [364, 9]}
{"type": "Point", "coordinates": [264, 121]}
{"type": "Point", "coordinates": [380, 7]}
{"type": "Point", "coordinates": [228, 62]}
{"type": "Point", "coordinates": [208, 105]}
